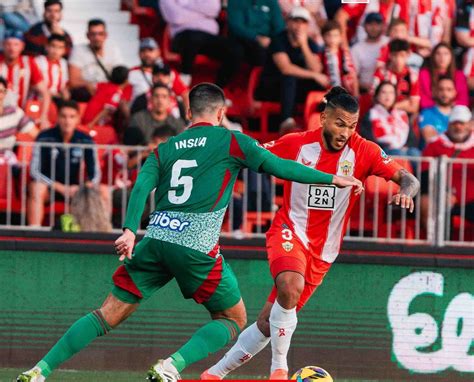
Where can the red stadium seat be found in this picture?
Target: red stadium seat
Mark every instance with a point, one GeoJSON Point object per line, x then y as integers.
{"type": "Point", "coordinates": [261, 109]}
{"type": "Point", "coordinates": [313, 99]}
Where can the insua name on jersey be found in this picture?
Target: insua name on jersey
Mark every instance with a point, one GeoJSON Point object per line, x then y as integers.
{"type": "Point", "coordinates": [191, 142]}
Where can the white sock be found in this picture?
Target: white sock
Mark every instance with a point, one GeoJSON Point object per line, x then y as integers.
{"type": "Point", "coordinates": [168, 366]}
{"type": "Point", "coordinates": [250, 342]}
{"type": "Point", "coordinates": [282, 325]}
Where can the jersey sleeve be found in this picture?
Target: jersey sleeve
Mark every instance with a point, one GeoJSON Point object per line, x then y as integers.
{"type": "Point", "coordinates": [246, 151]}
{"type": "Point", "coordinates": [284, 147]}
{"type": "Point", "coordinates": [379, 163]}
{"type": "Point", "coordinates": [147, 180]}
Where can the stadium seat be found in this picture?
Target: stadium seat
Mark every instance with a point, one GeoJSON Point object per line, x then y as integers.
{"type": "Point", "coordinates": [261, 109]}
{"type": "Point", "coordinates": [311, 114]}
{"type": "Point", "coordinates": [146, 18]}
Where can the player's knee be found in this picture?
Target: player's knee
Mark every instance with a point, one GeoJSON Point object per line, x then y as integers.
{"type": "Point", "coordinates": [116, 311]}
{"type": "Point", "coordinates": [289, 288]}
{"type": "Point", "coordinates": [241, 321]}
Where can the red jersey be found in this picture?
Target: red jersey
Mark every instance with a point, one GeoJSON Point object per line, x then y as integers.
{"type": "Point", "coordinates": [443, 146]}
{"type": "Point", "coordinates": [55, 73]}
{"type": "Point", "coordinates": [108, 96]}
{"type": "Point", "coordinates": [318, 214]}
{"type": "Point", "coordinates": [21, 76]}
{"type": "Point", "coordinates": [406, 82]}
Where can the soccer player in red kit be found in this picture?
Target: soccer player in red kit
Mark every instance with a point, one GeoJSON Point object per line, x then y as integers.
{"type": "Point", "coordinates": [306, 234]}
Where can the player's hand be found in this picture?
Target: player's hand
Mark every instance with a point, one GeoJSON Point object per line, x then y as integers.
{"type": "Point", "coordinates": [347, 181]}
{"type": "Point", "coordinates": [404, 201]}
{"type": "Point", "coordinates": [124, 245]}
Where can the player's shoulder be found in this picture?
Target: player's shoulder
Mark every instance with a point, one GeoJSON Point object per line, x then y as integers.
{"type": "Point", "coordinates": [362, 145]}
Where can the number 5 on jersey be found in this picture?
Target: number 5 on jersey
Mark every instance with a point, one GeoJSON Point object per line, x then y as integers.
{"type": "Point", "coordinates": [177, 180]}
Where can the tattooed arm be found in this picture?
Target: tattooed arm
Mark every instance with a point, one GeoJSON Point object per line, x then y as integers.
{"type": "Point", "coordinates": [409, 187]}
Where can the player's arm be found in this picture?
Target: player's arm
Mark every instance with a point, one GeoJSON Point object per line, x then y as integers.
{"type": "Point", "coordinates": [147, 180]}
{"type": "Point", "coordinates": [296, 172]}
{"type": "Point", "coordinates": [409, 187]}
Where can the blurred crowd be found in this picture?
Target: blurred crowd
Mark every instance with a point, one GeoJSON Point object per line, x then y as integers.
{"type": "Point", "coordinates": [410, 63]}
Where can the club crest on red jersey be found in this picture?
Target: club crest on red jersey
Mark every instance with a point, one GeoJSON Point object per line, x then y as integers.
{"type": "Point", "coordinates": [287, 246]}
{"type": "Point", "coordinates": [346, 168]}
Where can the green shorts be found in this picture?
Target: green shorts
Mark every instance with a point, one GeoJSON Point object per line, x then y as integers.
{"type": "Point", "coordinates": [206, 278]}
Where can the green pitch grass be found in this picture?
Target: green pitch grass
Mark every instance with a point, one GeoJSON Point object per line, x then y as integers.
{"type": "Point", "coordinates": [9, 375]}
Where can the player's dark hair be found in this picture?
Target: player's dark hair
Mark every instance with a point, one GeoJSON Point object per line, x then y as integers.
{"type": "Point", "coordinates": [3, 81]}
{"type": "Point", "coordinates": [160, 85]}
{"type": "Point", "coordinates": [119, 75]}
{"type": "Point", "coordinates": [95, 22]}
{"type": "Point", "coordinates": [398, 45]}
{"type": "Point", "coordinates": [330, 26]}
{"type": "Point", "coordinates": [163, 132]}
{"type": "Point", "coordinates": [57, 37]}
{"type": "Point", "coordinates": [205, 98]}
{"type": "Point", "coordinates": [48, 3]}
{"type": "Point", "coordinates": [339, 98]}
{"type": "Point", "coordinates": [70, 104]}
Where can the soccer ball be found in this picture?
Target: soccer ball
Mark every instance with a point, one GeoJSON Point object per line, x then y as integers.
{"type": "Point", "coordinates": [312, 373]}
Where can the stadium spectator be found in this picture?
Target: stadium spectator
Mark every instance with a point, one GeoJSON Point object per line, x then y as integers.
{"type": "Point", "coordinates": [163, 74]}
{"type": "Point", "coordinates": [469, 69]}
{"type": "Point", "coordinates": [464, 29]}
{"type": "Point", "coordinates": [402, 76]}
{"type": "Point", "coordinates": [318, 13]}
{"type": "Point", "coordinates": [157, 117]}
{"type": "Point", "coordinates": [252, 24]}
{"type": "Point", "coordinates": [140, 77]}
{"type": "Point", "coordinates": [337, 61]}
{"type": "Point", "coordinates": [365, 53]}
{"type": "Point", "coordinates": [398, 30]}
{"type": "Point", "coordinates": [58, 169]}
{"type": "Point", "coordinates": [351, 18]}
{"type": "Point", "coordinates": [92, 63]}
{"type": "Point", "coordinates": [442, 63]}
{"type": "Point", "coordinates": [12, 121]}
{"type": "Point", "coordinates": [292, 69]}
{"type": "Point", "coordinates": [110, 97]}
{"type": "Point", "coordinates": [23, 76]}
{"type": "Point", "coordinates": [457, 142]}
{"type": "Point", "coordinates": [15, 16]}
{"type": "Point", "coordinates": [387, 126]}
{"type": "Point", "coordinates": [434, 119]}
{"type": "Point", "coordinates": [54, 67]}
{"type": "Point", "coordinates": [429, 22]}
{"type": "Point", "coordinates": [194, 30]}
{"type": "Point", "coordinates": [37, 37]}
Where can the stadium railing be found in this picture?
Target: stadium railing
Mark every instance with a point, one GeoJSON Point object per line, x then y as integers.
{"type": "Point", "coordinates": [256, 197]}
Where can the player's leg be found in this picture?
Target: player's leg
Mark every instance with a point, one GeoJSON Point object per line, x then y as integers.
{"type": "Point", "coordinates": [209, 280]}
{"type": "Point", "coordinates": [38, 195]}
{"type": "Point", "coordinates": [79, 336]}
{"type": "Point", "coordinates": [249, 343]}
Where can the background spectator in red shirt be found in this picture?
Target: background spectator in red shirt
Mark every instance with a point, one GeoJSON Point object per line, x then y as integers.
{"type": "Point", "coordinates": [442, 63]}
{"type": "Point", "coordinates": [402, 76]}
{"type": "Point", "coordinates": [398, 30]}
{"type": "Point", "coordinates": [336, 59]}
{"type": "Point", "coordinates": [457, 142]}
{"type": "Point", "coordinates": [23, 76]}
{"type": "Point", "coordinates": [54, 67]}
{"type": "Point", "coordinates": [109, 97]}
{"type": "Point", "coordinates": [387, 126]}
{"type": "Point", "coordinates": [37, 37]}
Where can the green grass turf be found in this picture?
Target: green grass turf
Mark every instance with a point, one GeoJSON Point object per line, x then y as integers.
{"type": "Point", "coordinates": [9, 375]}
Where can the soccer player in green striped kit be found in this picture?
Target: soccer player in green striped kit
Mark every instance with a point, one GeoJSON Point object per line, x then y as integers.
{"type": "Point", "coordinates": [194, 174]}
